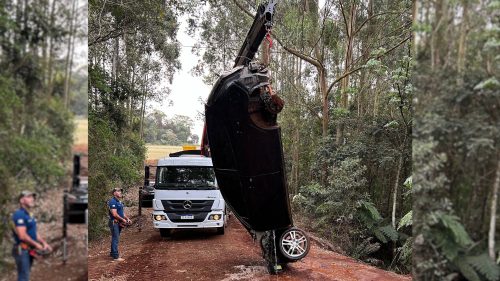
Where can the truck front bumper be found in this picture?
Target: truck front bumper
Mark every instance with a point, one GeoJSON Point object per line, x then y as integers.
{"type": "Point", "coordinates": [166, 223]}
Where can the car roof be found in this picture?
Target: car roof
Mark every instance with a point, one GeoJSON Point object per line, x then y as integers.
{"type": "Point", "coordinates": [186, 161]}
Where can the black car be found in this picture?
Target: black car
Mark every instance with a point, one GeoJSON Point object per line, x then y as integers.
{"type": "Point", "coordinates": [245, 146]}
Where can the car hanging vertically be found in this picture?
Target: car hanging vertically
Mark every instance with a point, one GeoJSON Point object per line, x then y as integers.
{"type": "Point", "coordinates": [244, 140]}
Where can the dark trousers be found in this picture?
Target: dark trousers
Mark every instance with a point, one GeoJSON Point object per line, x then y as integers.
{"type": "Point", "coordinates": [23, 262]}
{"type": "Point", "coordinates": [115, 238]}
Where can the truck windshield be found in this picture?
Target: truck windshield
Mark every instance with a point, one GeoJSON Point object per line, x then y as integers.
{"type": "Point", "coordinates": [185, 177]}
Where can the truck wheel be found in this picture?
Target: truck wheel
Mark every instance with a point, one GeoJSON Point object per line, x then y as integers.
{"type": "Point", "coordinates": [294, 244]}
{"type": "Point", "coordinates": [226, 216]}
{"type": "Point", "coordinates": [220, 230]}
{"type": "Point", "coordinates": [165, 232]}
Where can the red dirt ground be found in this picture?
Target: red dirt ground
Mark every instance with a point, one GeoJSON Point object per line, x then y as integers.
{"type": "Point", "coordinates": [204, 255]}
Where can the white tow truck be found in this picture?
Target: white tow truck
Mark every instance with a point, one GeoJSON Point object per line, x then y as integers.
{"type": "Point", "coordinates": [186, 194]}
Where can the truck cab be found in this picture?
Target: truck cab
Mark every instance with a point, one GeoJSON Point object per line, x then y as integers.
{"type": "Point", "coordinates": [186, 195]}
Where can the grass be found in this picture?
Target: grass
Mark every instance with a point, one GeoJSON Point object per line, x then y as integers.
{"type": "Point", "coordinates": [81, 135]}
{"type": "Point", "coordinates": [154, 151]}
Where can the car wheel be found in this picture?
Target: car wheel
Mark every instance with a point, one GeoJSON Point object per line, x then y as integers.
{"type": "Point", "coordinates": [294, 244]}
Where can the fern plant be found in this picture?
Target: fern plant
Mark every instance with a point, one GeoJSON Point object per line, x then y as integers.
{"type": "Point", "coordinates": [452, 240]}
{"type": "Point", "coordinates": [477, 268]}
{"type": "Point", "coordinates": [375, 224]}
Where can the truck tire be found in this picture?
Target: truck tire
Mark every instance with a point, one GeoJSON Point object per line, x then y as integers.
{"type": "Point", "coordinates": [165, 232]}
{"type": "Point", "coordinates": [220, 230]}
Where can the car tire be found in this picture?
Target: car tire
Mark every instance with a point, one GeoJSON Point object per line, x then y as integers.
{"type": "Point", "coordinates": [293, 244]}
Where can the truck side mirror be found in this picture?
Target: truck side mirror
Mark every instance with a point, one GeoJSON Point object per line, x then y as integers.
{"type": "Point", "coordinates": [76, 170]}
{"type": "Point", "coordinates": [146, 176]}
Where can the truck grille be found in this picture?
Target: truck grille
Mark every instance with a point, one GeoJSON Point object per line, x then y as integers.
{"type": "Point", "coordinates": [177, 206]}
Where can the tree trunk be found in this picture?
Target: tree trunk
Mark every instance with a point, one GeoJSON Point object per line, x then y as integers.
{"type": "Point", "coordinates": [70, 74]}
{"type": "Point", "coordinates": [51, 48]}
{"type": "Point", "coordinates": [438, 36]}
{"type": "Point", "coordinates": [131, 103]}
{"type": "Point", "coordinates": [323, 89]}
{"type": "Point", "coordinates": [344, 101]}
{"type": "Point", "coordinates": [462, 38]}
{"type": "Point", "coordinates": [395, 191]}
{"type": "Point", "coordinates": [494, 202]}
{"type": "Point", "coordinates": [415, 20]}
{"type": "Point", "coordinates": [45, 5]}
{"type": "Point", "coordinates": [143, 107]}
{"type": "Point", "coordinates": [68, 56]}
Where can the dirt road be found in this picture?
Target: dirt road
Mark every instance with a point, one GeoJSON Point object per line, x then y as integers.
{"type": "Point", "coordinates": [204, 255]}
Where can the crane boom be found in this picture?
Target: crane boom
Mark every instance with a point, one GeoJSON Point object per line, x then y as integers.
{"type": "Point", "coordinates": [262, 23]}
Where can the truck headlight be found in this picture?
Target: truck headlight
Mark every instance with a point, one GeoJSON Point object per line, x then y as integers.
{"type": "Point", "coordinates": [215, 217]}
{"type": "Point", "coordinates": [159, 217]}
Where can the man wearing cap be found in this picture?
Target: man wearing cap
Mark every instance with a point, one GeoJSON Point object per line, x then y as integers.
{"type": "Point", "coordinates": [117, 218]}
{"type": "Point", "coordinates": [25, 235]}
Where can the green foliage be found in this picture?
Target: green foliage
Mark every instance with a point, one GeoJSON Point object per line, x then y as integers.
{"type": "Point", "coordinates": [404, 253]}
{"type": "Point", "coordinates": [337, 202]}
{"type": "Point", "coordinates": [467, 270]}
{"type": "Point", "coordinates": [485, 266]}
{"type": "Point", "coordinates": [375, 224]}
{"type": "Point", "coordinates": [477, 267]}
{"type": "Point", "coordinates": [369, 214]}
{"type": "Point", "coordinates": [452, 229]}
{"type": "Point", "coordinates": [406, 220]}
{"type": "Point", "coordinates": [488, 84]}
{"type": "Point", "coordinates": [121, 154]}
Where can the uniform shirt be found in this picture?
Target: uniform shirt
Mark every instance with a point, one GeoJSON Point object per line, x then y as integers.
{"type": "Point", "coordinates": [23, 218]}
{"type": "Point", "coordinates": [115, 204]}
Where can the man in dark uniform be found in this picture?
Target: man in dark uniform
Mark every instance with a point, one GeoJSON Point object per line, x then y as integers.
{"type": "Point", "coordinates": [117, 219]}
{"type": "Point", "coordinates": [27, 240]}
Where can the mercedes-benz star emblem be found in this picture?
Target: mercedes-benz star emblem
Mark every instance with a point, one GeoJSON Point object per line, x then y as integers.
{"type": "Point", "coordinates": [187, 204]}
